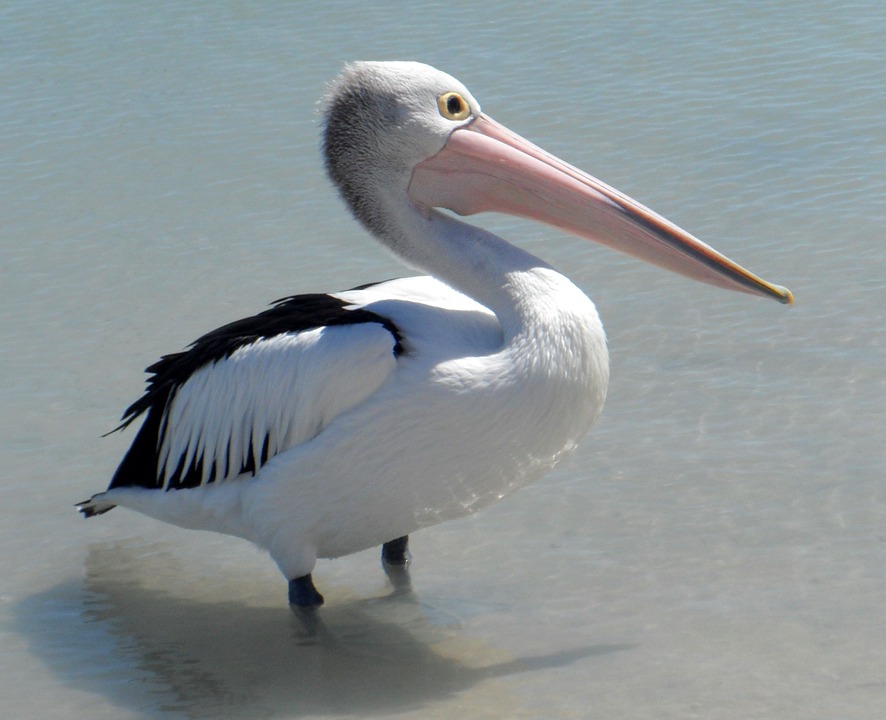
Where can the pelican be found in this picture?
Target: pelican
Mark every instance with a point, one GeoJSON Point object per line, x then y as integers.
{"type": "Point", "coordinates": [329, 424]}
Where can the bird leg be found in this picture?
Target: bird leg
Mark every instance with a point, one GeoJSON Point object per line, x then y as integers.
{"type": "Point", "coordinates": [303, 594]}
{"type": "Point", "coordinates": [396, 552]}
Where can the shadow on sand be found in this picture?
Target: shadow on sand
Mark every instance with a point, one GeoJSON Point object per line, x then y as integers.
{"type": "Point", "coordinates": [152, 652]}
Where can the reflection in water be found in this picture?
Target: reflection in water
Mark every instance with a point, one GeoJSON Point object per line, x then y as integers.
{"type": "Point", "coordinates": [152, 651]}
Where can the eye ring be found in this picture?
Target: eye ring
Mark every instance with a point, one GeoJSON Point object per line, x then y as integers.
{"type": "Point", "coordinates": [453, 106]}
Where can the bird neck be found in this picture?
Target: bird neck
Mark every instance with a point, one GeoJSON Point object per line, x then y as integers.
{"type": "Point", "coordinates": [551, 331]}
{"type": "Point", "coordinates": [504, 278]}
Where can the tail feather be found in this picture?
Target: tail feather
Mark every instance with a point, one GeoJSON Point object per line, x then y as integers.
{"type": "Point", "coordinates": [94, 506]}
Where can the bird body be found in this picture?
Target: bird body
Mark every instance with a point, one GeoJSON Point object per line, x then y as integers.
{"type": "Point", "coordinates": [332, 423]}
{"type": "Point", "coordinates": [370, 433]}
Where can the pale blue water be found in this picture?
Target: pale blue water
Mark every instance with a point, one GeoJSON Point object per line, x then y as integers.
{"type": "Point", "coordinates": [717, 547]}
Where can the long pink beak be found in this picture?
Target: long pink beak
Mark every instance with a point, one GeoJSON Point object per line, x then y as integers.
{"type": "Point", "coordinates": [484, 166]}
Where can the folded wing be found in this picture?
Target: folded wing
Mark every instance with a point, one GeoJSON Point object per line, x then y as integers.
{"type": "Point", "coordinates": [254, 388]}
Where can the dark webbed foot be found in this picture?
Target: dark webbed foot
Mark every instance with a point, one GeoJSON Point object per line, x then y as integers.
{"type": "Point", "coordinates": [396, 552]}
{"type": "Point", "coordinates": [303, 594]}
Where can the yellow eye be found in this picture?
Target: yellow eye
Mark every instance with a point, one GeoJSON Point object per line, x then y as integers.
{"type": "Point", "coordinates": [453, 106]}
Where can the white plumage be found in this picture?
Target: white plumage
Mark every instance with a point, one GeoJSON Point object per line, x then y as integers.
{"type": "Point", "coordinates": [287, 388]}
{"type": "Point", "coordinates": [330, 424]}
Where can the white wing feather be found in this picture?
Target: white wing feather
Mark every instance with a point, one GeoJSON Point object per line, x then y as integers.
{"type": "Point", "coordinates": [285, 388]}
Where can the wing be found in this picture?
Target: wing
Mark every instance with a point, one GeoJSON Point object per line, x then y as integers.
{"type": "Point", "coordinates": [249, 390]}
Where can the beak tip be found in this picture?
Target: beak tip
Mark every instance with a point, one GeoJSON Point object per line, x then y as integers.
{"type": "Point", "coordinates": [782, 294]}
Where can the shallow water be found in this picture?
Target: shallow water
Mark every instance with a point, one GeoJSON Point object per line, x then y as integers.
{"type": "Point", "coordinates": [715, 548]}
